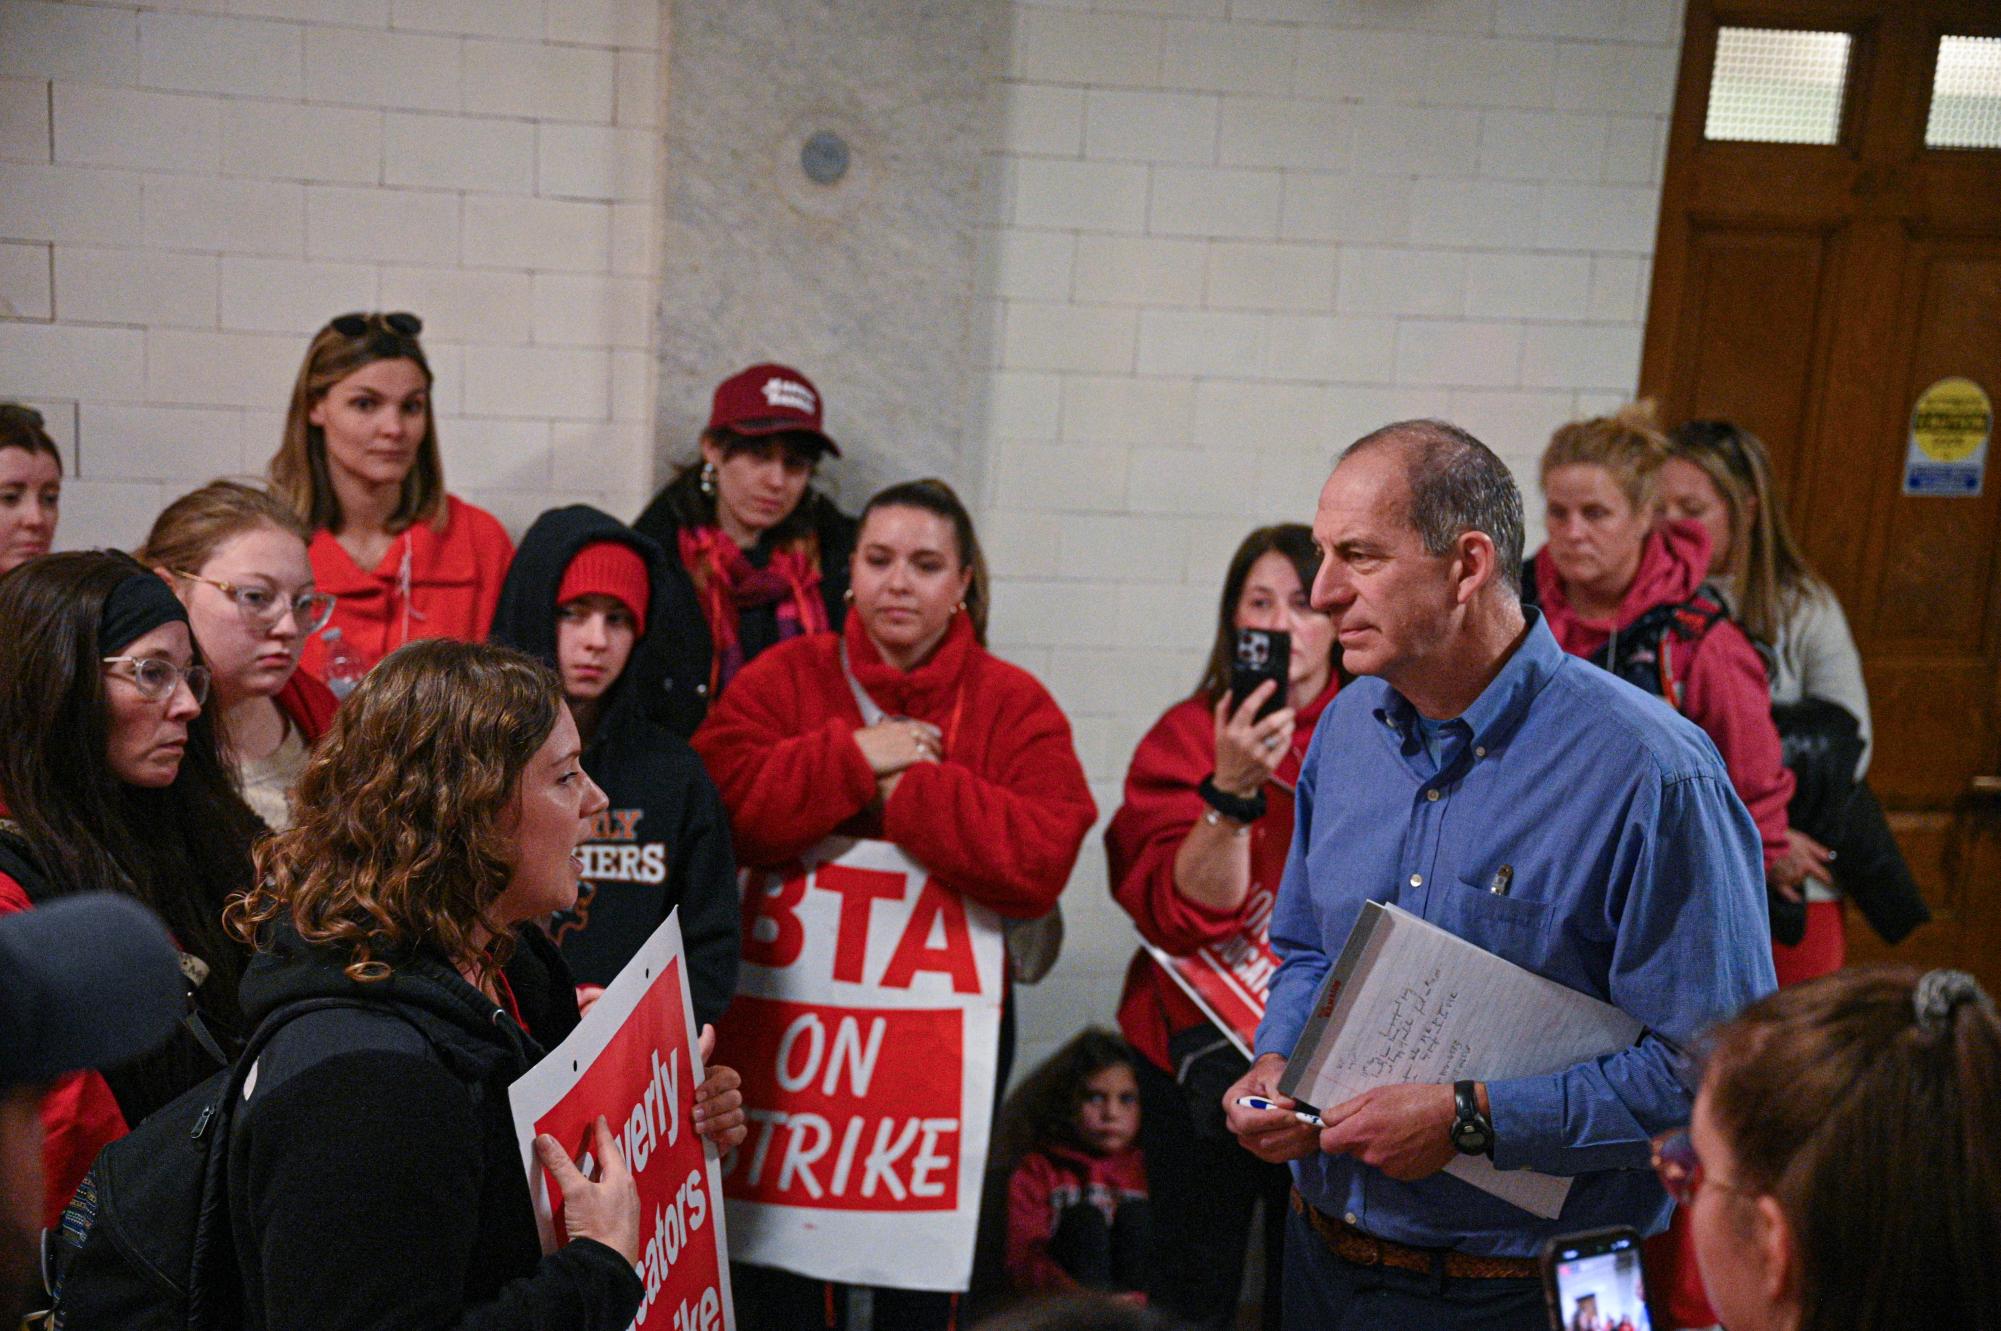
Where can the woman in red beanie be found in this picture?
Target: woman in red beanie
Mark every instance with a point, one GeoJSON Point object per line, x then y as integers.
{"type": "Point", "coordinates": [583, 595]}
{"type": "Point", "coordinates": [971, 770]}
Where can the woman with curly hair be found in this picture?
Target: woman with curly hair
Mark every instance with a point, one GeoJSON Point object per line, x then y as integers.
{"type": "Point", "coordinates": [373, 1175]}
{"type": "Point", "coordinates": [112, 778]}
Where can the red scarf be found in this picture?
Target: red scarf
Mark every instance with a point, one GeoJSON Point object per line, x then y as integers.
{"type": "Point", "coordinates": [726, 583]}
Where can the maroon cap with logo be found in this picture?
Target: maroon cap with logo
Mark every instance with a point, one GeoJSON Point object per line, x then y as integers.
{"type": "Point", "coordinates": [769, 399]}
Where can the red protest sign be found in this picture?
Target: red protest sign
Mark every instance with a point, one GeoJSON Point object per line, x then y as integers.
{"type": "Point", "coordinates": [1228, 980]}
{"type": "Point", "coordinates": [866, 1027]}
{"type": "Point", "coordinates": [866, 1122]}
{"type": "Point", "coordinates": [634, 1061]}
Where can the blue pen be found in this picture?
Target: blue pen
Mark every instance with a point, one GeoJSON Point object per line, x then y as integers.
{"type": "Point", "coordinates": [1304, 1114]}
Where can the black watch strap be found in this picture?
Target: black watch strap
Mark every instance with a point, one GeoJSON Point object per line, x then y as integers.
{"type": "Point", "coordinates": [1472, 1131]}
{"type": "Point", "coordinates": [1234, 807]}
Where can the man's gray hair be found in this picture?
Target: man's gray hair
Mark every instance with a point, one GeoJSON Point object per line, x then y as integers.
{"type": "Point", "coordinates": [1457, 485]}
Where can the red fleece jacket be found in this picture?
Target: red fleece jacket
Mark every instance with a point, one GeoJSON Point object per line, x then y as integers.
{"type": "Point", "coordinates": [1045, 1184]}
{"type": "Point", "coordinates": [1723, 684]}
{"type": "Point", "coordinates": [451, 590]}
{"type": "Point", "coordinates": [1002, 815]}
{"type": "Point", "coordinates": [1145, 835]}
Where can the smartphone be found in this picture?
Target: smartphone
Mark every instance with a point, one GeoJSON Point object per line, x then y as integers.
{"type": "Point", "coordinates": [1593, 1282]}
{"type": "Point", "coordinates": [1262, 654]}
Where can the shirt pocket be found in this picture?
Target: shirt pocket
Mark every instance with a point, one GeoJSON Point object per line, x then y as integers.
{"type": "Point", "coordinates": [1475, 912]}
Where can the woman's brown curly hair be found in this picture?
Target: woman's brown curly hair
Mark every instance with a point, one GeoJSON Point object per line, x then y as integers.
{"type": "Point", "coordinates": [398, 841]}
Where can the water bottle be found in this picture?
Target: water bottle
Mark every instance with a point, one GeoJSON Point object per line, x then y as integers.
{"type": "Point", "coordinates": [344, 665]}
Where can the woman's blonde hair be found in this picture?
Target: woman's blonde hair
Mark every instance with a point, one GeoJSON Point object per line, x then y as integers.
{"type": "Point", "coordinates": [298, 469]}
{"type": "Point", "coordinates": [1768, 573]}
{"type": "Point", "coordinates": [398, 842]}
{"type": "Point", "coordinates": [1628, 444]}
{"type": "Point", "coordinates": [188, 531]}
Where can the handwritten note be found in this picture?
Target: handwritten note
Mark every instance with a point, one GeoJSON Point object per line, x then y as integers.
{"type": "Point", "coordinates": [1409, 1002]}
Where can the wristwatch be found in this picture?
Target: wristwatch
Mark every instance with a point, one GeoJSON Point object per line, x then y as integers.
{"type": "Point", "coordinates": [1472, 1131]}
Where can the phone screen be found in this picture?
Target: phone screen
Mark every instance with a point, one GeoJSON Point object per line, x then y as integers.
{"type": "Point", "coordinates": [1262, 654]}
{"type": "Point", "coordinates": [1595, 1282]}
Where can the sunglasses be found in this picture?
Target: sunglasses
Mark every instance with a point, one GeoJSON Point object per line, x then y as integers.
{"type": "Point", "coordinates": [156, 679]}
{"type": "Point", "coordinates": [403, 323]}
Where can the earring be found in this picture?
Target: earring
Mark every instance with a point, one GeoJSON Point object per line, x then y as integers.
{"type": "Point", "coordinates": [849, 596]}
{"type": "Point", "coordinates": [708, 480]}
{"type": "Point", "coordinates": [957, 608]}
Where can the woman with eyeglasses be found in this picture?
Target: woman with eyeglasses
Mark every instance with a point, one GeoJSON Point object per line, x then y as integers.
{"type": "Point", "coordinates": [111, 778]}
{"type": "Point", "coordinates": [360, 465]}
{"type": "Point", "coordinates": [237, 559]}
{"type": "Point", "coordinates": [1840, 1172]}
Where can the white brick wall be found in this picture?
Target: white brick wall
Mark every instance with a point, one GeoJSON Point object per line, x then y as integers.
{"type": "Point", "coordinates": [188, 190]}
{"type": "Point", "coordinates": [1239, 234]}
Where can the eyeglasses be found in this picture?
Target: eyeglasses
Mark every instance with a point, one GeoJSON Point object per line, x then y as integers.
{"type": "Point", "coordinates": [262, 608]}
{"type": "Point", "coordinates": [156, 680]}
{"type": "Point", "coordinates": [1680, 1168]}
{"type": "Point", "coordinates": [402, 322]}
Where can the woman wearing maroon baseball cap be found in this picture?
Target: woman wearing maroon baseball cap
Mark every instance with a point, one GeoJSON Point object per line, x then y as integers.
{"type": "Point", "coordinates": [765, 553]}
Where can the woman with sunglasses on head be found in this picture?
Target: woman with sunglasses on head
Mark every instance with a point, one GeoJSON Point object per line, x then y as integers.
{"type": "Point", "coordinates": [31, 485]}
{"type": "Point", "coordinates": [1840, 1172]}
{"type": "Point", "coordinates": [759, 554]}
{"type": "Point", "coordinates": [111, 778]}
{"type": "Point", "coordinates": [237, 559]}
{"type": "Point", "coordinates": [360, 465]}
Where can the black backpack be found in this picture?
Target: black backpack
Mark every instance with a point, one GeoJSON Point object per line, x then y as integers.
{"type": "Point", "coordinates": [145, 1243]}
{"type": "Point", "coordinates": [1642, 653]}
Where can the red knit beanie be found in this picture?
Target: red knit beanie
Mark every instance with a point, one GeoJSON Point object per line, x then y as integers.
{"type": "Point", "coordinates": [609, 568]}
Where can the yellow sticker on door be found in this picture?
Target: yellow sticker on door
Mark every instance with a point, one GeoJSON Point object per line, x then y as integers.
{"type": "Point", "coordinates": [1950, 428]}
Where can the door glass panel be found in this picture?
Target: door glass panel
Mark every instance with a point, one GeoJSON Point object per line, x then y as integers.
{"type": "Point", "coordinates": [1966, 94]}
{"type": "Point", "coordinates": [1777, 85]}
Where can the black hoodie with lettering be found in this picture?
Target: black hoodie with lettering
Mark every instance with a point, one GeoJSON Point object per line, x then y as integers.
{"type": "Point", "coordinates": [665, 841]}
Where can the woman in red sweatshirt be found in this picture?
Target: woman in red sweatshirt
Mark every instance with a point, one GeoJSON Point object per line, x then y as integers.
{"type": "Point", "coordinates": [1196, 853]}
{"type": "Point", "coordinates": [1625, 589]}
{"type": "Point", "coordinates": [360, 464]}
{"type": "Point", "coordinates": [971, 769]}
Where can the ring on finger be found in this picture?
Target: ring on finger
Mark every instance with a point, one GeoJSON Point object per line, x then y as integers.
{"type": "Point", "coordinates": [1272, 741]}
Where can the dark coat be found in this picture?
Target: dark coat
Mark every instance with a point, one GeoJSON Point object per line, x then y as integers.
{"type": "Point", "coordinates": [666, 840]}
{"type": "Point", "coordinates": [677, 506]}
{"type": "Point", "coordinates": [374, 1178]}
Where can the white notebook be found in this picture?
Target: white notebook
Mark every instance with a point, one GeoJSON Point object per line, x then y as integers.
{"type": "Point", "coordinates": [1407, 1001]}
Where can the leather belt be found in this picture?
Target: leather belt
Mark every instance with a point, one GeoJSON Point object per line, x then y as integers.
{"type": "Point", "coordinates": [1353, 1246]}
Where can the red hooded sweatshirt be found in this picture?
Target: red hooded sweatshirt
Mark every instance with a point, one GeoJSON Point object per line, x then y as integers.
{"type": "Point", "coordinates": [1002, 815]}
{"type": "Point", "coordinates": [1047, 1182]}
{"type": "Point", "coordinates": [1160, 808]}
{"type": "Point", "coordinates": [1722, 682]}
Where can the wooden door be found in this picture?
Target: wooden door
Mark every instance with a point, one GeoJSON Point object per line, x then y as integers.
{"type": "Point", "coordinates": [1811, 292]}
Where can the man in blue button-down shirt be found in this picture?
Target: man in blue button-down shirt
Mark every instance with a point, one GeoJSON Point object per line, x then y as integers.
{"type": "Point", "coordinates": [1474, 752]}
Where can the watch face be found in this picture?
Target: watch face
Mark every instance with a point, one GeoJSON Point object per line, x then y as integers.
{"type": "Point", "coordinates": [1470, 1138]}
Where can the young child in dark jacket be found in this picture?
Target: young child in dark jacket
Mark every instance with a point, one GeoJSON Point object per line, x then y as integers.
{"type": "Point", "coordinates": [1077, 1216]}
{"type": "Point", "coordinates": [580, 596]}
